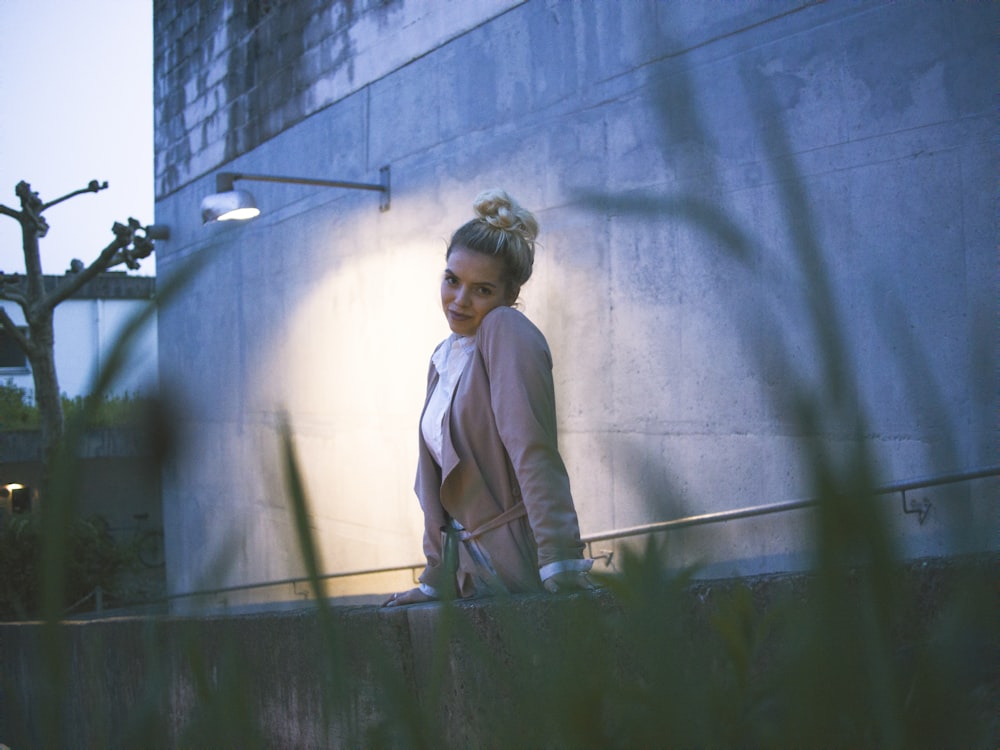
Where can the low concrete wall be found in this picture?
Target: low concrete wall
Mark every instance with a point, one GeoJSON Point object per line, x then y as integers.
{"type": "Point", "coordinates": [658, 661]}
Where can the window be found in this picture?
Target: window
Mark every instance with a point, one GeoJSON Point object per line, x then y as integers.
{"type": "Point", "coordinates": [11, 356]}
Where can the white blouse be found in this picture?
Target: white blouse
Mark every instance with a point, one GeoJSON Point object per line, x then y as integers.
{"type": "Point", "coordinates": [449, 360]}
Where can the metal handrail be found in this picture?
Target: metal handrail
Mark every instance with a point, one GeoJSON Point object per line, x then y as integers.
{"type": "Point", "coordinates": [705, 518]}
{"type": "Point", "coordinates": [762, 510]}
{"type": "Point", "coordinates": [289, 581]}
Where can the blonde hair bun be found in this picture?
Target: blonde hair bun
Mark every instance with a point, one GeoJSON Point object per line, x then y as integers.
{"type": "Point", "coordinates": [504, 229]}
{"type": "Point", "coordinates": [500, 211]}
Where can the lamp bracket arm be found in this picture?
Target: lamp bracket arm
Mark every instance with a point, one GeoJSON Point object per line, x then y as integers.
{"type": "Point", "coordinates": [233, 176]}
{"type": "Point", "coordinates": [224, 183]}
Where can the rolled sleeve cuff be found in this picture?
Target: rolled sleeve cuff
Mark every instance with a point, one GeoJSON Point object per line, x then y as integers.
{"type": "Point", "coordinates": [429, 590]}
{"type": "Point", "coordinates": [561, 566]}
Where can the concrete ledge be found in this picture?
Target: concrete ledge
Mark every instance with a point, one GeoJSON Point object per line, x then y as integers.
{"type": "Point", "coordinates": [657, 660]}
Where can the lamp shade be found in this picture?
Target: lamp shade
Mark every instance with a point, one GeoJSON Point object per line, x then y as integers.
{"type": "Point", "coordinates": [228, 206]}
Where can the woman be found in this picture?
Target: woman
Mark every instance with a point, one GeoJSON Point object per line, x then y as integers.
{"type": "Point", "coordinates": [491, 482]}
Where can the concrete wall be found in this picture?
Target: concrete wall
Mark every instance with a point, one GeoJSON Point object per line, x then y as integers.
{"type": "Point", "coordinates": [719, 664]}
{"type": "Point", "coordinates": [745, 208]}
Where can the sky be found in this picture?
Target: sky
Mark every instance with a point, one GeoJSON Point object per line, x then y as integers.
{"type": "Point", "coordinates": [76, 104]}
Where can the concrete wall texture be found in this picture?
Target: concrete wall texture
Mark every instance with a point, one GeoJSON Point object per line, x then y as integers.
{"type": "Point", "coordinates": [663, 670]}
{"type": "Point", "coordinates": [745, 207]}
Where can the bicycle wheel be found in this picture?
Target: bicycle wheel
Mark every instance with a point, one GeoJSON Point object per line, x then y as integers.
{"type": "Point", "coordinates": [149, 549]}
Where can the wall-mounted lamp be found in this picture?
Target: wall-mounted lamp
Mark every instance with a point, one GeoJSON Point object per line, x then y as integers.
{"type": "Point", "coordinates": [227, 203]}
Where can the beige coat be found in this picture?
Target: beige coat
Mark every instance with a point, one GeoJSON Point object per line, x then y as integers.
{"type": "Point", "coordinates": [500, 448]}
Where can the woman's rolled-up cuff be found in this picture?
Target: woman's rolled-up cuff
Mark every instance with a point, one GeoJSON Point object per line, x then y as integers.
{"type": "Point", "coordinates": [561, 566]}
{"type": "Point", "coordinates": [429, 590]}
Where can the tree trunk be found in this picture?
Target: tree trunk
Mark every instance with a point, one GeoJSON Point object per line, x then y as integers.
{"type": "Point", "coordinates": [40, 319]}
{"type": "Point", "coordinates": [47, 395]}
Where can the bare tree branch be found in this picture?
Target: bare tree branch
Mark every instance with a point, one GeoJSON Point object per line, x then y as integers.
{"type": "Point", "coordinates": [7, 211]}
{"type": "Point", "coordinates": [92, 187]}
{"type": "Point", "coordinates": [142, 247]}
{"type": "Point", "coordinates": [13, 288]}
{"type": "Point", "coordinates": [74, 282]}
{"type": "Point", "coordinates": [12, 329]}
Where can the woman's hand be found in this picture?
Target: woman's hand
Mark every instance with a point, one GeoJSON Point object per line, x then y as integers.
{"type": "Point", "coordinates": [570, 580]}
{"type": "Point", "coordinates": [413, 596]}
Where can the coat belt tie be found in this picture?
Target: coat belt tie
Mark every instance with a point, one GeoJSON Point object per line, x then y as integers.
{"type": "Point", "coordinates": [511, 514]}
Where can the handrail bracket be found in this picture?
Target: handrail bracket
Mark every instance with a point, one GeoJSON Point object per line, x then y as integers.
{"type": "Point", "coordinates": [608, 555]}
{"type": "Point", "coordinates": [921, 507]}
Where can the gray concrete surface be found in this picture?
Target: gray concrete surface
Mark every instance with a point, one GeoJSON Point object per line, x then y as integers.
{"type": "Point", "coordinates": [578, 671]}
{"type": "Point", "coordinates": [768, 233]}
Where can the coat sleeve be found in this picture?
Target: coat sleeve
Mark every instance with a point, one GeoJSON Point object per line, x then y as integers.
{"type": "Point", "coordinates": [428, 489]}
{"type": "Point", "coordinates": [519, 366]}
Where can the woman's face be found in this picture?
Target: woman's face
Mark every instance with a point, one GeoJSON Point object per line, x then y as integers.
{"type": "Point", "coordinates": [472, 286]}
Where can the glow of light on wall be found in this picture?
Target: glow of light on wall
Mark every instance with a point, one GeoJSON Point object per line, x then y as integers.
{"type": "Point", "coordinates": [349, 368]}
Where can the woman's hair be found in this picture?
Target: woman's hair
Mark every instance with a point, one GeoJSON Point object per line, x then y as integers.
{"type": "Point", "coordinates": [503, 229]}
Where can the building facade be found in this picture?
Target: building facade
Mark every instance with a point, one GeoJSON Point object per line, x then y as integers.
{"type": "Point", "coordinates": [86, 327]}
{"type": "Point", "coordinates": [767, 235]}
